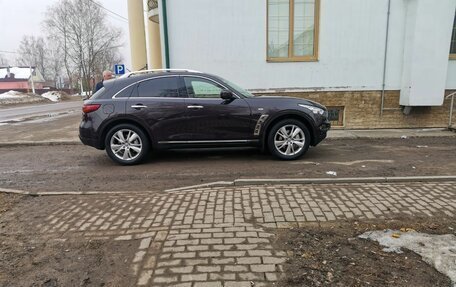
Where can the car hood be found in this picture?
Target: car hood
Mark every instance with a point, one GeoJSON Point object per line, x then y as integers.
{"type": "Point", "coordinates": [285, 99]}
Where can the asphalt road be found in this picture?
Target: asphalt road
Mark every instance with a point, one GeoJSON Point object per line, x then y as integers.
{"type": "Point", "coordinates": [11, 114]}
{"type": "Point", "coordinates": [81, 168]}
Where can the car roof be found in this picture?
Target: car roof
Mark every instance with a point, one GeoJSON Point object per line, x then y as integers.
{"type": "Point", "coordinates": [143, 75]}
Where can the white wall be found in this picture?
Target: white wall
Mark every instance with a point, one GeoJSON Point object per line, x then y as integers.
{"type": "Point", "coordinates": [429, 25]}
{"type": "Point", "coordinates": [228, 38]}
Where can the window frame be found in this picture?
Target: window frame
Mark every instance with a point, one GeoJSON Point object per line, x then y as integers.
{"type": "Point", "coordinates": [291, 57]}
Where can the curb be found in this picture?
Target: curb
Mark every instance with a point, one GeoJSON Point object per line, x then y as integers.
{"type": "Point", "coordinates": [210, 184]}
{"type": "Point", "coordinates": [451, 133]}
{"type": "Point", "coordinates": [47, 193]}
{"type": "Point", "coordinates": [243, 182]}
{"type": "Point", "coordinates": [39, 143]}
{"type": "Point", "coordinates": [248, 182]}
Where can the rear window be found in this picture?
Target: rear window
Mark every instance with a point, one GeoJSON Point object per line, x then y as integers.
{"type": "Point", "coordinates": [98, 93]}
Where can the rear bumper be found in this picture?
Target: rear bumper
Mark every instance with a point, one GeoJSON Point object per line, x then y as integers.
{"type": "Point", "coordinates": [91, 142]}
{"type": "Point", "coordinates": [87, 136]}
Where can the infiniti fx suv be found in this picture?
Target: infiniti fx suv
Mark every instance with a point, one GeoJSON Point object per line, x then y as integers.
{"type": "Point", "coordinates": [170, 109]}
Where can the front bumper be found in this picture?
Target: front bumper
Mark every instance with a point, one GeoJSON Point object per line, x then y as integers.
{"type": "Point", "coordinates": [322, 132]}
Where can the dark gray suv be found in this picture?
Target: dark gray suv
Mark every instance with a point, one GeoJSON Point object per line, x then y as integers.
{"type": "Point", "coordinates": [168, 109]}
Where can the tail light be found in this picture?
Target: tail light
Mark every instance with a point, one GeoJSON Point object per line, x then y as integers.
{"type": "Point", "coordinates": [90, 108]}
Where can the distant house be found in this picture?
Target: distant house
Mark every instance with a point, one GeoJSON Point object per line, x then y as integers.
{"type": "Point", "coordinates": [20, 78]}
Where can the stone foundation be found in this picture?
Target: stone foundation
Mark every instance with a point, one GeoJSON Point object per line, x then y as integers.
{"type": "Point", "coordinates": [362, 110]}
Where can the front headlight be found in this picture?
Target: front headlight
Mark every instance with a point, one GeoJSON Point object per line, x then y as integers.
{"type": "Point", "coordinates": [314, 110]}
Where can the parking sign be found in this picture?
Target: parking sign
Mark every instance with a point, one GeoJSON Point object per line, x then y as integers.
{"type": "Point", "coordinates": [119, 69]}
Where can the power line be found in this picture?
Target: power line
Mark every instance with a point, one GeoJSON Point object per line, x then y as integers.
{"type": "Point", "coordinates": [9, 52]}
{"type": "Point", "coordinates": [106, 9]}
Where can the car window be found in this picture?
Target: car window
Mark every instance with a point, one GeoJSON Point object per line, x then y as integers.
{"type": "Point", "coordinates": [126, 92]}
{"type": "Point", "coordinates": [98, 93]}
{"type": "Point", "coordinates": [161, 87]}
{"type": "Point", "coordinates": [202, 88]}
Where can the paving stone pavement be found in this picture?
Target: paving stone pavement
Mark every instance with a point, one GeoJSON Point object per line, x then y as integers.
{"type": "Point", "coordinates": [223, 236]}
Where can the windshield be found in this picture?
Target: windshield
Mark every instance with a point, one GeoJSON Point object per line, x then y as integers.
{"type": "Point", "coordinates": [238, 89]}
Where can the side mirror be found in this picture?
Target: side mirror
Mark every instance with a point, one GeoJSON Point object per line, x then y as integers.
{"type": "Point", "coordinates": [226, 95]}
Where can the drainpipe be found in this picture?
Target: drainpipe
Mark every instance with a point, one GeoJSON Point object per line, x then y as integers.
{"type": "Point", "coordinates": [165, 34]}
{"type": "Point", "coordinates": [385, 59]}
{"type": "Point", "coordinates": [450, 121]}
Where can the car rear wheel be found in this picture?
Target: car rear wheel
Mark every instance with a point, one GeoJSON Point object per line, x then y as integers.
{"type": "Point", "coordinates": [289, 139]}
{"type": "Point", "coordinates": [126, 144]}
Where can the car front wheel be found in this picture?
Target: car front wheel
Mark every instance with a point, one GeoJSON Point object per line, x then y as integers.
{"type": "Point", "coordinates": [126, 144]}
{"type": "Point", "coordinates": [289, 139]}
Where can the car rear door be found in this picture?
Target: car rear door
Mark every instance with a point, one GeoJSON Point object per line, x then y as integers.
{"type": "Point", "coordinates": [159, 103]}
{"type": "Point", "coordinates": [213, 119]}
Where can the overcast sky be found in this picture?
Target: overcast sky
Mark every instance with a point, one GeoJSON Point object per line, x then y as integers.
{"type": "Point", "coordinates": [24, 17]}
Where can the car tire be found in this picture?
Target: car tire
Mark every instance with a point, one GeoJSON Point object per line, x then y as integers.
{"type": "Point", "coordinates": [127, 144]}
{"type": "Point", "coordinates": [288, 139]}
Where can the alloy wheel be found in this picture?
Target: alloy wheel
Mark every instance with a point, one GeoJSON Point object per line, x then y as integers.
{"type": "Point", "coordinates": [289, 140]}
{"type": "Point", "coordinates": [126, 144]}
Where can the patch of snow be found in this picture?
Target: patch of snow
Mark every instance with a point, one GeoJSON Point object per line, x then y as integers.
{"type": "Point", "coordinates": [11, 95]}
{"type": "Point", "coordinates": [436, 250]}
{"type": "Point", "coordinates": [19, 72]}
{"type": "Point", "coordinates": [53, 96]}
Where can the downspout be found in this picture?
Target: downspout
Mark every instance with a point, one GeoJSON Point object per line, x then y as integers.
{"type": "Point", "coordinates": [165, 34]}
{"type": "Point", "coordinates": [450, 121]}
{"type": "Point", "coordinates": [385, 59]}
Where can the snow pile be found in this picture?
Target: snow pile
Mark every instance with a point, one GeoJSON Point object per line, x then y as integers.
{"type": "Point", "coordinates": [14, 98]}
{"type": "Point", "coordinates": [53, 96]}
{"type": "Point", "coordinates": [436, 250]}
{"type": "Point", "coordinates": [12, 95]}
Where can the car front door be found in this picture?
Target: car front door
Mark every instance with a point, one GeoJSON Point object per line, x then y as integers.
{"type": "Point", "coordinates": [213, 119]}
{"type": "Point", "coordinates": [159, 103]}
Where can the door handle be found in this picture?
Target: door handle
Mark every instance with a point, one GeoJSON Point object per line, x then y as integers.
{"type": "Point", "coordinates": [195, 107]}
{"type": "Point", "coordinates": [139, 106]}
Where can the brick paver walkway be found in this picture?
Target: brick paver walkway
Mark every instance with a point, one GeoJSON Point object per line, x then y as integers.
{"type": "Point", "coordinates": [221, 236]}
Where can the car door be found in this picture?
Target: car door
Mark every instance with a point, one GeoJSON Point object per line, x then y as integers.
{"type": "Point", "coordinates": [159, 103]}
{"type": "Point", "coordinates": [211, 118]}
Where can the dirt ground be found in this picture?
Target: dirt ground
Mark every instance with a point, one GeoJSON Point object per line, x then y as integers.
{"type": "Point", "coordinates": [81, 168]}
{"type": "Point", "coordinates": [30, 260]}
{"type": "Point", "coordinates": [331, 255]}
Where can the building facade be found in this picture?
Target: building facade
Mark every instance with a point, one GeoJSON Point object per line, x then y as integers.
{"type": "Point", "coordinates": [374, 63]}
{"type": "Point", "coordinates": [20, 78]}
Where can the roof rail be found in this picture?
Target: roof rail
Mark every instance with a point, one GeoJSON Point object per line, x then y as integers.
{"type": "Point", "coordinates": [127, 75]}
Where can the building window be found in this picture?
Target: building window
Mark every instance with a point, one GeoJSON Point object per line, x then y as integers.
{"type": "Point", "coordinates": [293, 30]}
{"type": "Point", "coordinates": [453, 41]}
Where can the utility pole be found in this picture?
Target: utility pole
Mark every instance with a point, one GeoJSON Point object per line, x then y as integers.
{"type": "Point", "coordinates": [31, 79]}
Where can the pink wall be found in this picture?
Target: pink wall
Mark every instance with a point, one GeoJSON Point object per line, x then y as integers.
{"type": "Point", "coordinates": [19, 85]}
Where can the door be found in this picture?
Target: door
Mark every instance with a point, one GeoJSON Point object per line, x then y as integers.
{"type": "Point", "coordinates": [159, 103]}
{"type": "Point", "coordinates": [211, 118]}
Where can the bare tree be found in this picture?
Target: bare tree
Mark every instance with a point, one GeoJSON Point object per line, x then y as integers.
{"type": "Point", "coordinates": [32, 52]}
{"type": "Point", "coordinates": [3, 61]}
{"type": "Point", "coordinates": [87, 42]}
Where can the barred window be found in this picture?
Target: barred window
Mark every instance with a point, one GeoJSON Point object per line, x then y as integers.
{"type": "Point", "coordinates": [293, 30]}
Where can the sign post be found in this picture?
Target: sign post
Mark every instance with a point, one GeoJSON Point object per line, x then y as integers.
{"type": "Point", "coordinates": [119, 69]}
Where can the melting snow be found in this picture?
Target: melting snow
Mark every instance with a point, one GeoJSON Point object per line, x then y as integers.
{"type": "Point", "coordinates": [11, 95]}
{"type": "Point", "coordinates": [53, 96]}
{"type": "Point", "coordinates": [436, 250]}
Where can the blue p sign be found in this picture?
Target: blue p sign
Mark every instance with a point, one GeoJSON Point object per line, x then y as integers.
{"type": "Point", "coordinates": [119, 69]}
